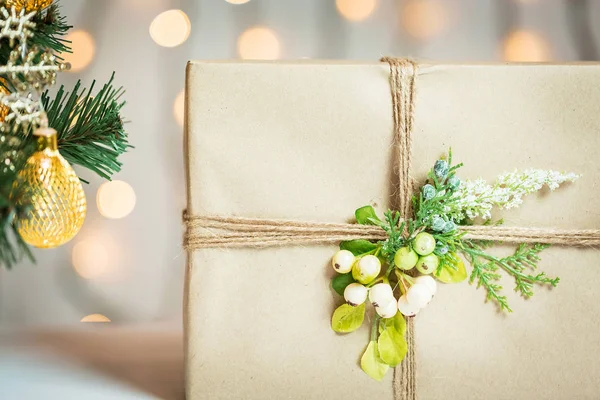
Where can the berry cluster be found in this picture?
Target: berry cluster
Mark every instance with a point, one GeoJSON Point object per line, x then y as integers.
{"type": "Point", "coordinates": [416, 293]}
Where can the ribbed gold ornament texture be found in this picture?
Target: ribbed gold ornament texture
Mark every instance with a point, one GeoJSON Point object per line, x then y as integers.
{"type": "Point", "coordinates": [4, 110]}
{"type": "Point", "coordinates": [58, 200]}
{"type": "Point", "coordinates": [30, 5]}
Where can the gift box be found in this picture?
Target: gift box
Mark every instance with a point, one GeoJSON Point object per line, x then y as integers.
{"type": "Point", "coordinates": [313, 141]}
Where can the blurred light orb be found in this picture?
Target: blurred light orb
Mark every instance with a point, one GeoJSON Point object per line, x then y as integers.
{"type": "Point", "coordinates": [423, 19]}
{"type": "Point", "coordinates": [237, 1]}
{"type": "Point", "coordinates": [258, 43]}
{"type": "Point", "coordinates": [179, 108]}
{"type": "Point", "coordinates": [115, 199]}
{"type": "Point", "coordinates": [90, 258]}
{"type": "Point", "coordinates": [170, 28]}
{"type": "Point", "coordinates": [95, 318]}
{"type": "Point", "coordinates": [84, 48]}
{"type": "Point", "coordinates": [356, 10]}
{"type": "Point", "coordinates": [525, 46]}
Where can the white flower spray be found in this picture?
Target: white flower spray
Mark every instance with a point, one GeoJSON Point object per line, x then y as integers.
{"type": "Point", "coordinates": [477, 198]}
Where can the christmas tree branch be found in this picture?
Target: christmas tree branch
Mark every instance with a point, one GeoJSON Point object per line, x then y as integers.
{"type": "Point", "coordinates": [50, 29]}
{"type": "Point", "coordinates": [90, 128]}
{"type": "Point", "coordinates": [13, 198]}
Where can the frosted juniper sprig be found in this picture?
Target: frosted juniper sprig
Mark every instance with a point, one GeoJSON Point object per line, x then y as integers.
{"type": "Point", "coordinates": [477, 198]}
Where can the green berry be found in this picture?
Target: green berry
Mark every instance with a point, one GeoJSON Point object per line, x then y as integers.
{"type": "Point", "coordinates": [366, 269]}
{"type": "Point", "coordinates": [406, 258]}
{"type": "Point", "coordinates": [438, 223]}
{"type": "Point", "coordinates": [424, 243]}
{"type": "Point", "coordinates": [428, 192]}
{"type": "Point", "coordinates": [449, 226]}
{"type": "Point", "coordinates": [428, 264]}
{"type": "Point", "coordinates": [441, 169]}
{"type": "Point", "coordinates": [454, 182]}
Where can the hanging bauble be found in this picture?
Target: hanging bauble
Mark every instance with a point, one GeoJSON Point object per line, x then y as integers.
{"type": "Point", "coordinates": [58, 201]}
{"type": "Point", "coordinates": [30, 5]}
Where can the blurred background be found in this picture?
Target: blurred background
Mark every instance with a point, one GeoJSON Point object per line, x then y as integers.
{"type": "Point", "coordinates": [127, 264]}
{"type": "Point", "coordinates": [125, 269]}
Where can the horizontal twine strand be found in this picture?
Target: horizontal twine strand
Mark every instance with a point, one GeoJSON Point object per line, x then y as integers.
{"type": "Point", "coordinates": [214, 231]}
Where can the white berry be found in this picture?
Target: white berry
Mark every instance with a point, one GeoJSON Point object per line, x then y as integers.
{"type": "Point", "coordinates": [427, 281]}
{"type": "Point", "coordinates": [419, 295]}
{"type": "Point", "coordinates": [406, 308]}
{"type": "Point", "coordinates": [366, 269]}
{"type": "Point", "coordinates": [342, 261]}
{"type": "Point", "coordinates": [387, 311]}
{"type": "Point", "coordinates": [381, 294]}
{"type": "Point", "coordinates": [355, 294]}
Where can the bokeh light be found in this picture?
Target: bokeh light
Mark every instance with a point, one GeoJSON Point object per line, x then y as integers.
{"type": "Point", "coordinates": [95, 318]}
{"type": "Point", "coordinates": [259, 43]}
{"type": "Point", "coordinates": [237, 1]}
{"type": "Point", "coordinates": [356, 10]}
{"type": "Point", "coordinates": [170, 28]}
{"type": "Point", "coordinates": [83, 47]}
{"type": "Point", "coordinates": [115, 199]}
{"type": "Point", "coordinates": [423, 19]}
{"type": "Point", "coordinates": [179, 108]}
{"type": "Point", "coordinates": [525, 46]}
{"type": "Point", "coordinates": [90, 258]}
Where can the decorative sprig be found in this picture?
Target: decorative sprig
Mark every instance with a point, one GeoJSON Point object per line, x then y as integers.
{"type": "Point", "coordinates": [431, 245]}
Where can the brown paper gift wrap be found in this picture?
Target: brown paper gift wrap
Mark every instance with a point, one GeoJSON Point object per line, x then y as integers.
{"type": "Point", "coordinates": [313, 142]}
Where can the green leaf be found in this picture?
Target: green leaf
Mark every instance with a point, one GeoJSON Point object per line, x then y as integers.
{"type": "Point", "coordinates": [397, 322]}
{"type": "Point", "coordinates": [372, 363]}
{"type": "Point", "coordinates": [366, 216]}
{"type": "Point", "coordinates": [339, 282]}
{"type": "Point", "coordinates": [392, 347]}
{"type": "Point", "coordinates": [447, 274]}
{"type": "Point", "coordinates": [358, 247]}
{"type": "Point", "coordinates": [347, 318]}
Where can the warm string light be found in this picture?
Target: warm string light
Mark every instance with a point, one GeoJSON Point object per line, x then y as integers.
{"type": "Point", "coordinates": [84, 48]}
{"type": "Point", "coordinates": [525, 46]}
{"type": "Point", "coordinates": [170, 28]}
{"type": "Point", "coordinates": [95, 318]}
{"type": "Point", "coordinates": [115, 199]}
{"type": "Point", "coordinates": [93, 258]}
{"type": "Point", "coordinates": [356, 10]}
{"type": "Point", "coordinates": [259, 43]}
{"type": "Point", "coordinates": [423, 19]}
{"type": "Point", "coordinates": [179, 108]}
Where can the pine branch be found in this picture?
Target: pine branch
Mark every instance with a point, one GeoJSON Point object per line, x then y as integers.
{"type": "Point", "coordinates": [49, 32]}
{"type": "Point", "coordinates": [14, 197]}
{"type": "Point", "coordinates": [51, 27]}
{"type": "Point", "coordinates": [90, 128]}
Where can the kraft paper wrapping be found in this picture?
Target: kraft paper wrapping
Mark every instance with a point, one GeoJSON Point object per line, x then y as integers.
{"type": "Point", "coordinates": [313, 141]}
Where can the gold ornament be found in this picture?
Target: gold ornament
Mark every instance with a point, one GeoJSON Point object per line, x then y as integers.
{"type": "Point", "coordinates": [58, 200]}
{"type": "Point", "coordinates": [30, 5]}
{"type": "Point", "coordinates": [4, 110]}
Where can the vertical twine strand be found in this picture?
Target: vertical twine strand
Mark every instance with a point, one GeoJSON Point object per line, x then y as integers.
{"type": "Point", "coordinates": [402, 84]}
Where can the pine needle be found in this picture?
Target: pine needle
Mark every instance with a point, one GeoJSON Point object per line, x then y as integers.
{"type": "Point", "coordinates": [90, 128]}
